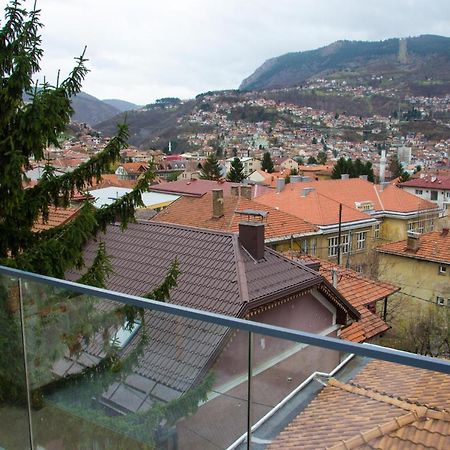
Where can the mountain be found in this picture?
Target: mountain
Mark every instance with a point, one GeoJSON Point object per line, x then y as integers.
{"type": "Point", "coordinates": [152, 126]}
{"type": "Point", "coordinates": [91, 110]}
{"type": "Point", "coordinates": [121, 105]}
{"type": "Point", "coordinates": [420, 65]}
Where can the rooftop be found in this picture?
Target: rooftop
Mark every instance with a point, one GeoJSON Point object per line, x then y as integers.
{"type": "Point", "coordinates": [197, 212]}
{"type": "Point", "coordinates": [384, 406]}
{"type": "Point", "coordinates": [434, 246]}
{"type": "Point", "coordinates": [56, 217]}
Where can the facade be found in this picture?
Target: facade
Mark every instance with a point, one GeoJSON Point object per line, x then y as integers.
{"type": "Point", "coordinates": [435, 189]}
{"type": "Point", "coordinates": [420, 265]}
{"type": "Point", "coordinates": [131, 171]}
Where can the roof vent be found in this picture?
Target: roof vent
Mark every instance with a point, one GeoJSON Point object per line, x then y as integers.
{"type": "Point", "coordinates": [305, 191]}
{"type": "Point", "coordinates": [280, 184]}
{"type": "Point", "coordinates": [345, 176]}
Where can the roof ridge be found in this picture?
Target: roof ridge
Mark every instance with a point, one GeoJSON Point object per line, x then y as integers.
{"type": "Point", "coordinates": [378, 196]}
{"type": "Point", "coordinates": [373, 394]}
{"type": "Point", "coordinates": [240, 272]}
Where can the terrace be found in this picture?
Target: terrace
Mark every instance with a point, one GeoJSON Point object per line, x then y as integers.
{"type": "Point", "coordinates": [68, 377]}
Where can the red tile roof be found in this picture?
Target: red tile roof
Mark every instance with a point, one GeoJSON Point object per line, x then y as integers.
{"type": "Point", "coordinates": [430, 182]}
{"type": "Point", "coordinates": [359, 291]}
{"type": "Point", "coordinates": [198, 188]}
{"type": "Point", "coordinates": [321, 205]}
{"type": "Point", "coordinates": [197, 212]}
{"type": "Point", "coordinates": [385, 406]}
{"type": "Point", "coordinates": [434, 246]}
{"type": "Point", "coordinates": [56, 217]}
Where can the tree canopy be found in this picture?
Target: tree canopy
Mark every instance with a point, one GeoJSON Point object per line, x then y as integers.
{"type": "Point", "coordinates": [397, 170]}
{"type": "Point", "coordinates": [353, 168]}
{"type": "Point", "coordinates": [236, 173]}
{"type": "Point", "coordinates": [211, 168]}
{"type": "Point", "coordinates": [267, 163]}
{"type": "Point", "coordinates": [26, 129]}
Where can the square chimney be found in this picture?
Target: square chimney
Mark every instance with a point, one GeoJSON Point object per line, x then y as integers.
{"type": "Point", "coordinates": [251, 237]}
{"type": "Point", "coordinates": [217, 198]}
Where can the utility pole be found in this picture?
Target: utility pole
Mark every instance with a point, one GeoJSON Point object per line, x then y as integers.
{"type": "Point", "coordinates": [339, 234]}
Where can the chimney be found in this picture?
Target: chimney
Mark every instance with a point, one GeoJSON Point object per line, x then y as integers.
{"type": "Point", "coordinates": [382, 166]}
{"type": "Point", "coordinates": [334, 277]}
{"type": "Point", "coordinates": [235, 191]}
{"type": "Point", "coordinates": [280, 184]}
{"type": "Point", "coordinates": [363, 177]}
{"type": "Point", "coordinates": [295, 178]}
{"type": "Point", "coordinates": [246, 192]}
{"type": "Point", "coordinates": [345, 176]}
{"type": "Point", "coordinates": [217, 197]}
{"type": "Point", "coordinates": [251, 237]}
{"type": "Point", "coordinates": [413, 241]}
{"type": "Point", "coordinates": [444, 232]}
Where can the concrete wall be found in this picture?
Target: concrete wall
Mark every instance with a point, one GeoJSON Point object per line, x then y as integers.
{"type": "Point", "coordinates": [415, 277]}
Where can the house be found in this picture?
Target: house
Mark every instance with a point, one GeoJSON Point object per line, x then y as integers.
{"type": "Point", "coordinates": [198, 188]}
{"type": "Point", "coordinates": [370, 214]}
{"type": "Point", "coordinates": [222, 272]}
{"type": "Point", "coordinates": [368, 296]}
{"type": "Point", "coordinates": [420, 265]}
{"type": "Point", "coordinates": [152, 200]}
{"type": "Point", "coordinates": [250, 164]}
{"type": "Point", "coordinates": [435, 189]}
{"type": "Point", "coordinates": [288, 164]}
{"type": "Point", "coordinates": [218, 212]}
{"type": "Point", "coordinates": [56, 217]}
{"type": "Point", "coordinates": [381, 405]}
{"type": "Point", "coordinates": [131, 171]}
{"type": "Point", "coordinates": [316, 171]}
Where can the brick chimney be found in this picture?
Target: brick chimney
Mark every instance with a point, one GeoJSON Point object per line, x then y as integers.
{"type": "Point", "coordinates": [444, 232]}
{"type": "Point", "coordinates": [251, 237]}
{"type": "Point", "coordinates": [246, 191]}
{"type": "Point", "coordinates": [413, 241]}
{"type": "Point", "coordinates": [217, 198]}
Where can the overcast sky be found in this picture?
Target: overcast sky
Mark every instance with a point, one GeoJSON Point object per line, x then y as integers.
{"type": "Point", "coordinates": [140, 50]}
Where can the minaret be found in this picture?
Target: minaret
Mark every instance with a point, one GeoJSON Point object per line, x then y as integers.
{"type": "Point", "coordinates": [382, 166]}
{"type": "Point", "coordinates": [170, 147]}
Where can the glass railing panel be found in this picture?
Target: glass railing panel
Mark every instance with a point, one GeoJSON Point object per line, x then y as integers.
{"type": "Point", "coordinates": [108, 376]}
{"type": "Point", "coordinates": [14, 424]}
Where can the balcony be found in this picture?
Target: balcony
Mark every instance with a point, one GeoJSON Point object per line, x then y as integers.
{"type": "Point", "coordinates": [83, 367]}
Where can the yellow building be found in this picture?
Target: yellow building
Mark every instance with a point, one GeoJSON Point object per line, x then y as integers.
{"type": "Point", "coordinates": [420, 265]}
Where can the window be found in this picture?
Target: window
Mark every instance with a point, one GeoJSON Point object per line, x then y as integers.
{"type": "Point", "coordinates": [419, 192]}
{"type": "Point", "coordinates": [125, 333]}
{"type": "Point", "coordinates": [440, 301]}
{"type": "Point", "coordinates": [313, 247]}
{"type": "Point", "coordinates": [333, 246]}
{"type": "Point", "coordinates": [420, 227]}
{"type": "Point", "coordinates": [304, 247]}
{"type": "Point", "coordinates": [361, 240]}
{"type": "Point", "coordinates": [376, 231]}
{"type": "Point", "coordinates": [410, 226]}
{"type": "Point", "coordinates": [433, 195]}
{"type": "Point", "coordinates": [442, 269]}
{"type": "Point", "coordinates": [345, 243]}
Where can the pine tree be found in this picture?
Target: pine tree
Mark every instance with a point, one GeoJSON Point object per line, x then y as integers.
{"type": "Point", "coordinates": [211, 168]}
{"type": "Point", "coordinates": [267, 163]}
{"type": "Point", "coordinates": [322, 157]}
{"type": "Point", "coordinates": [26, 129]}
{"type": "Point", "coordinates": [236, 173]}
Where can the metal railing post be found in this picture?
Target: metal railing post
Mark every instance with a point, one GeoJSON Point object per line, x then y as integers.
{"type": "Point", "coordinates": [249, 390]}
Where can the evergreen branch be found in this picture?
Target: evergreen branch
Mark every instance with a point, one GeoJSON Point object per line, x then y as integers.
{"type": "Point", "coordinates": [100, 269]}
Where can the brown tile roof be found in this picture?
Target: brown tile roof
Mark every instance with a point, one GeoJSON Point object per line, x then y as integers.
{"type": "Point", "coordinates": [321, 206]}
{"type": "Point", "coordinates": [360, 291]}
{"type": "Point", "coordinates": [385, 406]}
{"type": "Point", "coordinates": [430, 182]}
{"type": "Point", "coordinates": [198, 188]}
{"type": "Point", "coordinates": [434, 246]}
{"type": "Point", "coordinates": [216, 274]}
{"type": "Point", "coordinates": [56, 217]}
{"type": "Point", "coordinates": [197, 212]}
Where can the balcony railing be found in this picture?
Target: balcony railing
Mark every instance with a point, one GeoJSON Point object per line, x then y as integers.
{"type": "Point", "coordinates": [82, 367]}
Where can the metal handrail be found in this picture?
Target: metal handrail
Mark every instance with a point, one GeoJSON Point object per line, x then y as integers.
{"type": "Point", "coordinates": [367, 350]}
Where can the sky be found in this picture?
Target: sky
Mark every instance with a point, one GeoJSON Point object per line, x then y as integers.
{"type": "Point", "coordinates": [141, 50]}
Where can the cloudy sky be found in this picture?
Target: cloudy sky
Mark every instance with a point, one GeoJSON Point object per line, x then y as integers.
{"type": "Point", "coordinates": [140, 50]}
